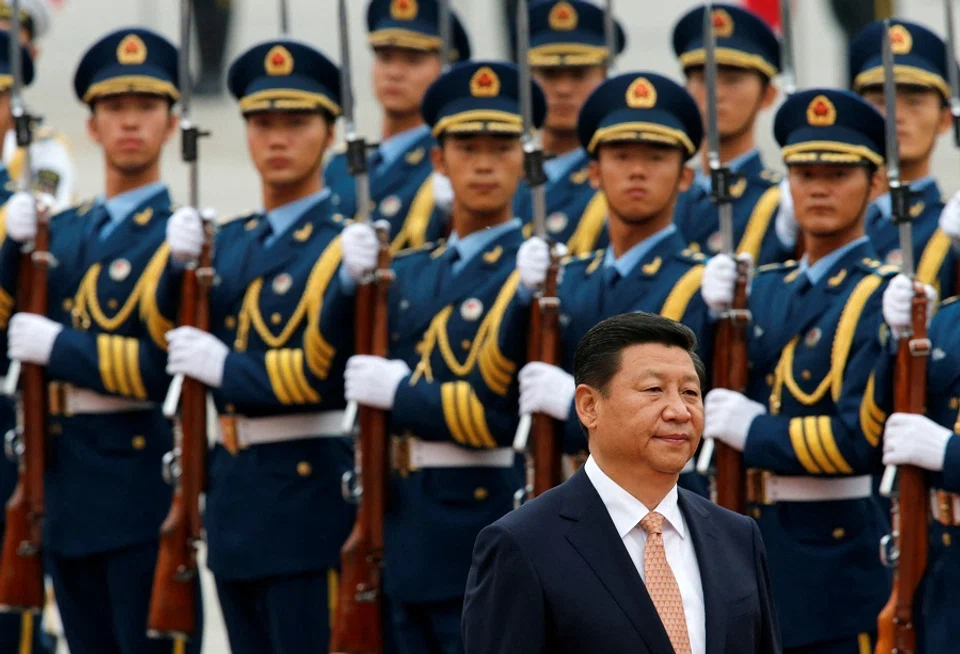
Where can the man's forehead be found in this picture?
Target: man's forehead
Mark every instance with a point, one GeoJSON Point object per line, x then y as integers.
{"type": "Point", "coordinates": [657, 360]}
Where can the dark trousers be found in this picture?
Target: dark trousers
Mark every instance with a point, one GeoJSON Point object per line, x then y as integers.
{"type": "Point", "coordinates": [288, 614]}
{"type": "Point", "coordinates": [104, 600]}
{"type": "Point", "coordinates": [862, 644]}
{"type": "Point", "coordinates": [427, 628]}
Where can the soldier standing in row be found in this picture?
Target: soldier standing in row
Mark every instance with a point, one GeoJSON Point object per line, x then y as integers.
{"type": "Point", "coordinates": [454, 472]}
{"type": "Point", "coordinates": [274, 518]}
{"type": "Point", "coordinates": [406, 39]}
{"type": "Point", "coordinates": [105, 495]}
{"type": "Point", "coordinates": [812, 345]}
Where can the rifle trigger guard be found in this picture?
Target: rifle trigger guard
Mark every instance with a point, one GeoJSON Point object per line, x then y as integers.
{"type": "Point", "coordinates": [13, 446]}
{"type": "Point", "coordinates": [350, 487]}
{"type": "Point", "coordinates": [172, 469]}
{"type": "Point", "coordinates": [919, 347]}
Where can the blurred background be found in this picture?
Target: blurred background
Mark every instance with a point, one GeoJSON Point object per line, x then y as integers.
{"type": "Point", "coordinates": [228, 182]}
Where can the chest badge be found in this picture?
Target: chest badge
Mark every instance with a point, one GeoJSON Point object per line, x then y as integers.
{"type": "Point", "coordinates": [119, 270]}
{"type": "Point", "coordinates": [894, 258]}
{"type": "Point", "coordinates": [938, 354]}
{"type": "Point", "coordinates": [471, 309]}
{"type": "Point", "coordinates": [282, 283]}
{"type": "Point", "coordinates": [557, 222]}
{"type": "Point", "coordinates": [715, 242]}
{"type": "Point", "coordinates": [390, 206]}
{"type": "Point", "coordinates": [813, 337]}
{"type": "Point", "coordinates": [757, 331]}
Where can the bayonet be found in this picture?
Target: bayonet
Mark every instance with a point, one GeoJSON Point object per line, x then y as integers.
{"type": "Point", "coordinates": [610, 37]}
{"type": "Point", "coordinates": [284, 18]}
{"type": "Point", "coordinates": [446, 34]}
{"type": "Point", "coordinates": [953, 74]}
{"type": "Point", "coordinates": [788, 70]}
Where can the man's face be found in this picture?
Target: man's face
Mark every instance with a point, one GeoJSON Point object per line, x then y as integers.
{"type": "Point", "coordinates": [652, 412]}
{"type": "Point", "coordinates": [484, 170]}
{"type": "Point", "coordinates": [921, 118]}
{"type": "Point", "coordinates": [567, 88]}
{"type": "Point", "coordinates": [132, 129]}
{"type": "Point", "coordinates": [640, 180]}
{"type": "Point", "coordinates": [741, 95]}
{"type": "Point", "coordinates": [287, 146]}
{"type": "Point", "coordinates": [830, 199]}
{"type": "Point", "coordinates": [401, 76]}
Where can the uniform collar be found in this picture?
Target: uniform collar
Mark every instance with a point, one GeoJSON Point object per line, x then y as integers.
{"type": "Point", "coordinates": [120, 206]}
{"type": "Point", "coordinates": [625, 510]}
{"type": "Point", "coordinates": [921, 185]}
{"type": "Point", "coordinates": [394, 147]}
{"type": "Point", "coordinates": [702, 178]}
{"type": "Point", "coordinates": [470, 246]}
{"type": "Point", "coordinates": [557, 167]}
{"type": "Point", "coordinates": [816, 272]}
{"type": "Point", "coordinates": [629, 260]}
{"type": "Point", "coordinates": [284, 216]}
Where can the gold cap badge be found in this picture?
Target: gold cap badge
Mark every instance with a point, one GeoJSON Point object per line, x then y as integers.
{"type": "Point", "coordinates": [901, 41]}
{"type": "Point", "coordinates": [563, 17]}
{"type": "Point", "coordinates": [821, 112]}
{"type": "Point", "coordinates": [132, 51]}
{"type": "Point", "coordinates": [279, 61]}
{"type": "Point", "coordinates": [641, 94]}
{"type": "Point", "coordinates": [404, 9]}
{"type": "Point", "coordinates": [485, 83]}
{"type": "Point", "coordinates": [722, 24]}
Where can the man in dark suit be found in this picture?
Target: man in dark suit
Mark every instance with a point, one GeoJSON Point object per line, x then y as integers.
{"type": "Point", "coordinates": [587, 567]}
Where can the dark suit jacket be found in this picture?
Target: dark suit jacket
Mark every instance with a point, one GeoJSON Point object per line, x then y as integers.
{"type": "Point", "coordinates": [553, 577]}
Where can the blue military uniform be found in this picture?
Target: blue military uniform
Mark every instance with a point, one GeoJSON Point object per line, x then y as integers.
{"type": "Point", "coordinates": [813, 343]}
{"type": "Point", "coordinates": [744, 41]}
{"type": "Point", "coordinates": [659, 275]}
{"type": "Point", "coordinates": [274, 518]}
{"type": "Point", "coordinates": [105, 495]}
{"type": "Point", "coordinates": [920, 60]}
{"type": "Point", "coordinates": [569, 33]}
{"type": "Point", "coordinates": [401, 173]}
{"type": "Point", "coordinates": [454, 470]}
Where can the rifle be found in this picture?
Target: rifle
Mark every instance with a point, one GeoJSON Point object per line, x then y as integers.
{"type": "Point", "coordinates": [953, 76]}
{"type": "Point", "coordinates": [172, 611]}
{"type": "Point", "coordinates": [610, 37]}
{"type": "Point", "coordinates": [730, 356]}
{"type": "Point", "coordinates": [284, 18]}
{"type": "Point", "coordinates": [21, 563]}
{"type": "Point", "coordinates": [357, 627]}
{"type": "Point", "coordinates": [905, 549]}
{"type": "Point", "coordinates": [543, 341]}
{"type": "Point", "coordinates": [788, 73]}
{"type": "Point", "coordinates": [446, 34]}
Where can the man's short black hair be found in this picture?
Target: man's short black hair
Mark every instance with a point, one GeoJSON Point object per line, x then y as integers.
{"type": "Point", "coordinates": [598, 355]}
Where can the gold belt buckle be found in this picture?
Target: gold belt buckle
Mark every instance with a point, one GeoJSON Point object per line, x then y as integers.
{"type": "Point", "coordinates": [228, 434]}
{"type": "Point", "coordinates": [400, 455]}
{"type": "Point", "coordinates": [757, 481]}
{"type": "Point", "coordinates": [945, 502]}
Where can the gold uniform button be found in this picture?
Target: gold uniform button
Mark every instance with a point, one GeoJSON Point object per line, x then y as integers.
{"type": "Point", "coordinates": [238, 345]}
{"type": "Point", "coordinates": [304, 469]}
{"type": "Point", "coordinates": [230, 322]}
{"type": "Point", "coordinates": [465, 344]}
{"type": "Point", "coordinates": [68, 304]}
{"type": "Point", "coordinates": [138, 442]}
{"type": "Point", "coordinates": [756, 513]}
{"type": "Point", "coordinates": [947, 540]}
{"type": "Point", "coordinates": [805, 374]}
{"type": "Point", "coordinates": [770, 380]}
{"type": "Point", "coordinates": [481, 493]}
{"type": "Point", "coordinates": [839, 533]}
{"type": "Point", "coordinates": [276, 318]}
{"type": "Point", "coordinates": [112, 304]}
{"type": "Point", "coordinates": [230, 408]}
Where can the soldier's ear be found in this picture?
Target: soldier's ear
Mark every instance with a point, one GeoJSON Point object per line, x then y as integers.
{"type": "Point", "coordinates": [878, 182]}
{"type": "Point", "coordinates": [172, 124]}
{"type": "Point", "coordinates": [587, 399]}
{"type": "Point", "coordinates": [769, 95]}
{"type": "Point", "coordinates": [686, 177]}
{"type": "Point", "coordinates": [593, 169]}
{"type": "Point", "coordinates": [436, 158]}
{"type": "Point", "coordinates": [92, 131]}
{"type": "Point", "coordinates": [946, 120]}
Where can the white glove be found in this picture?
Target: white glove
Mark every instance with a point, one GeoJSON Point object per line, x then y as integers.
{"type": "Point", "coordinates": [360, 248]}
{"type": "Point", "coordinates": [719, 279]}
{"type": "Point", "coordinates": [950, 219]}
{"type": "Point", "coordinates": [185, 234]}
{"type": "Point", "coordinates": [30, 338]}
{"type": "Point", "coordinates": [898, 302]}
{"type": "Point", "coordinates": [442, 193]}
{"type": "Point", "coordinates": [197, 354]}
{"type": "Point", "coordinates": [373, 381]}
{"type": "Point", "coordinates": [22, 217]}
{"type": "Point", "coordinates": [533, 259]}
{"type": "Point", "coordinates": [911, 439]}
{"type": "Point", "coordinates": [727, 416]}
{"type": "Point", "coordinates": [545, 389]}
{"type": "Point", "coordinates": [786, 224]}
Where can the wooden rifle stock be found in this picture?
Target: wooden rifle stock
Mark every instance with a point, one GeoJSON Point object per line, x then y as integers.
{"type": "Point", "coordinates": [544, 345]}
{"type": "Point", "coordinates": [896, 629]}
{"type": "Point", "coordinates": [357, 625]}
{"type": "Point", "coordinates": [730, 371]}
{"type": "Point", "coordinates": [173, 600]}
{"type": "Point", "coordinates": [21, 564]}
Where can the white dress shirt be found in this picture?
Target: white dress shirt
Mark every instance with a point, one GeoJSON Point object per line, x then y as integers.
{"type": "Point", "coordinates": [626, 511]}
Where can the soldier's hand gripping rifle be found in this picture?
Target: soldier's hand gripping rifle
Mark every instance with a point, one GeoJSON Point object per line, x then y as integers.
{"type": "Point", "coordinates": [953, 76]}
{"type": "Point", "coordinates": [172, 611]}
{"type": "Point", "coordinates": [357, 624]}
{"type": "Point", "coordinates": [21, 568]}
{"type": "Point", "coordinates": [543, 342]}
{"type": "Point", "coordinates": [730, 355]}
{"type": "Point", "coordinates": [905, 548]}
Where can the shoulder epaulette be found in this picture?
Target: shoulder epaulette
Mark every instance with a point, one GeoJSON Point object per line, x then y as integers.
{"type": "Point", "coordinates": [771, 267]}
{"type": "Point", "coordinates": [887, 271]}
{"type": "Point", "coordinates": [426, 247]}
{"type": "Point", "coordinates": [691, 256]}
{"type": "Point", "coordinates": [241, 219]}
{"type": "Point", "coordinates": [81, 208]}
{"type": "Point", "coordinates": [949, 301]}
{"type": "Point", "coordinates": [771, 176]}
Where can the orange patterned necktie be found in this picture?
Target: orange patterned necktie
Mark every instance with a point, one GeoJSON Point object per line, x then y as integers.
{"type": "Point", "coordinates": [662, 585]}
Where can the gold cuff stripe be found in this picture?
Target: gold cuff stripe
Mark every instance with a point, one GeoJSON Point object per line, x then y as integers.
{"type": "Point", "coordinates": [845, 153]}
{"type": "Point", "coordinates": [118, 352]}
{"type": "Point", "coordinates": [300, 377]}
{"type": "Point", "coordinates": [131, 84]}
{"type": "Point", "coordinates": [815, 446]}
{"type": "Point", "coordinates": [829, 442]}
{"type": "Point", "coordinates": [730, 57]}
{"type": "Point", "coordinates": [480, 117]}
{"type": "Point", "coordinates": [462, 394]}
{"type": "Point", "coordinates": [910, 75]}
{"type": "Point", "coordinates": [800, 446]}
{"type": "Point", "coordinates": [105, 362]}
{"type": "Point", "coordinates": [496, 379]}
{"type": "Point", "coordinates": [871, 417]}
{"type": "Point", "coordinates": [759, 222]}
{"type": "Point", "coordinates": [480, 421]}
{"type": "Point", "coordinates": [449, 402]}
{"type": "Point", "coordinates": [288, 99]}
{"type": "Point", "coordinates": [272, 361]}
{"type": "Point", "coordinates": [585, 237]}
{"type": "Point", "coordinates": [643, 131]}
{"type": "Point", "coordinates": [683, 291]}
{"type": "Point", "coordinates": [132, 353]}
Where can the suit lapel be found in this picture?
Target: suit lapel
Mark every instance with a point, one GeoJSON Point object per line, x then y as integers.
{"type": "Point", "coordinates": [595, 538]}
{"type": "Point", "coordinates": [710, 561]}
{"type": "Point", "coordinates": [126, 232]}
{"type": "Point", "coordinates": [265, 260]}
{"type": "Point", "coordinates": [400, 171]}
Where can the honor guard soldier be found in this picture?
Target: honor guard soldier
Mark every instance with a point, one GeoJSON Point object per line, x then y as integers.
{"type": "Point", "coordinates": [920, 71]}
{"type": "Point", "coordinates": [639, 129]}
{"type": "Point", "coordinates": [569, 57]}
{"type": "Point", "coordinates": [53, 170]}
{"type": "Point", "coordinates": [274, 515]}
{"type": "Point", "coordinates": [406, 39]}
{"type": "Point", "coordinates": [454, 470]}
{"type": "Point", "coordinates": [812, 345]}
{"type": "Point", "coordinates": [105, 494]}
{"type": "Point", "coordinates": [932, 443]}
{"type": "Point", "coordinates": [748, 58]}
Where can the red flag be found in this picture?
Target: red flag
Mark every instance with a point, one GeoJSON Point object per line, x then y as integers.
{"type": "Point", "coordinates": [769, 10]}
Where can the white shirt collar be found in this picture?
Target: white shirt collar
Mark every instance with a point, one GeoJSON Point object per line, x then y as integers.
{"type": "Point", "coordinates": [625, 510]}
